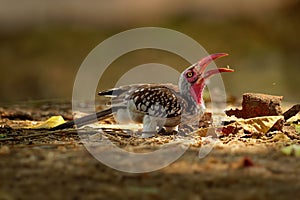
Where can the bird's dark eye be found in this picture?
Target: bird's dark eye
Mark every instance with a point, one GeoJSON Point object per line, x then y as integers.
{"type": "Point", "coordinates": [189, 74]}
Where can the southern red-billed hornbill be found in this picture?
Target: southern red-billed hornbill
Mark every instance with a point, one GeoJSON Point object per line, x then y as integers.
{"type": "Point", "coordinates": [158, 105]}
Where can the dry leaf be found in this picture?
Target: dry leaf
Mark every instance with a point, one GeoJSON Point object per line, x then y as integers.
{"type": "Point", "coordinates": [49, 123]}
{"type": "Point", "coordinates": [259, 124]}
{"type": "Point", "coordinates": [253, 125]}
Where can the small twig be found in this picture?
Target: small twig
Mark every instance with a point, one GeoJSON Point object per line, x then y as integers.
{"type": "Point", "coordinates": [291, 112]}
{"type": "Point", "coordinates": [117, 132]}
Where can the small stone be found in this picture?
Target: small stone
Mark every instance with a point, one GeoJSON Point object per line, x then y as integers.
{"type": "Point", "coordinates": [4, 150]}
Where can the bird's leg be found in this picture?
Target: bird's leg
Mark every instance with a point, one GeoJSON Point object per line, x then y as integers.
{"type": "Point", "coordinates": [149, 126]}
{"type": "Point", "coordinates": [171, 129]}
{"type": "Point", "coordinates": [122, 116]}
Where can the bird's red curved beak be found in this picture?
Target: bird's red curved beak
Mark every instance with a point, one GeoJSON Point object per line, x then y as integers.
{"type": "Point", "coordinates": [204, 62]}
{"type": "Point", "coordinates": [198, 87]}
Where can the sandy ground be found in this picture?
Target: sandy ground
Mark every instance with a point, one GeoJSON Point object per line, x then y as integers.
{"type": "Point", "coordinates": [42, 164]}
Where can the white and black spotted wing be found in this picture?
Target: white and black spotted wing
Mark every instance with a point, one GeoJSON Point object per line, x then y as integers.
{"type": "Point", "coordinates": [150, 99]}
{"type": "Point", "coordinates": [157, 101]}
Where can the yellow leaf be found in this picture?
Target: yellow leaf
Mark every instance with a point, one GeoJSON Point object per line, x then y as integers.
{"type": "Point", "coordinates": [49, 123]}
{"type": "Point", "coordinates": [297, 127]}
{"type": "Point", "coordinates": [291, 150]}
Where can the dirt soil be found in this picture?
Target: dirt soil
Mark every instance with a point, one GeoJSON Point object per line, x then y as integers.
{"type": "Point", "coordinates": [43, 164]}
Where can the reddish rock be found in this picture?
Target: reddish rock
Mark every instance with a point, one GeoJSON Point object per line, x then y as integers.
{"type": "Point", "coordinates": [257, 105]}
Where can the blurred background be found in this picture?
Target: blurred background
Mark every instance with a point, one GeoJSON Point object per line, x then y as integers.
{"type": "Point", "coordinates": [43, 43]}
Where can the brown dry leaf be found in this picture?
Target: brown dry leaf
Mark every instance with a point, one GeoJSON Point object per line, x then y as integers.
{"type": "Point", "coordinates": [253, 125]}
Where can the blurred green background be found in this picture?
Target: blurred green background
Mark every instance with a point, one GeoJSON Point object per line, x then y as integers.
{"type": "Point", "coordinates": [43, 43]}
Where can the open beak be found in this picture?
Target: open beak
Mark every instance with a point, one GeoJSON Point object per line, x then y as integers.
{"type": "Point", "coordinates": [204, 62]}
{"type": "Point", "coordinates": [198, 87]}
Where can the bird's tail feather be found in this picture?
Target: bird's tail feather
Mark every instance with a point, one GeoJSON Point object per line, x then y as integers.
{"type": "Point", "coordinates": [85, 120]}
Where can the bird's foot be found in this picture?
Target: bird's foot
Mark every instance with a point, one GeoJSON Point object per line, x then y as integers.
{"type": "Point", "coordinates": [163, 131]}
{"type": "Point", "coordinates": [148, 134]}
{"type": "Point", "coordinates": [182, 133]}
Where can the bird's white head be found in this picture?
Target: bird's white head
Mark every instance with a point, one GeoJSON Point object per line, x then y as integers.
{"type": "Point", "coordinates": [192, 81]}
